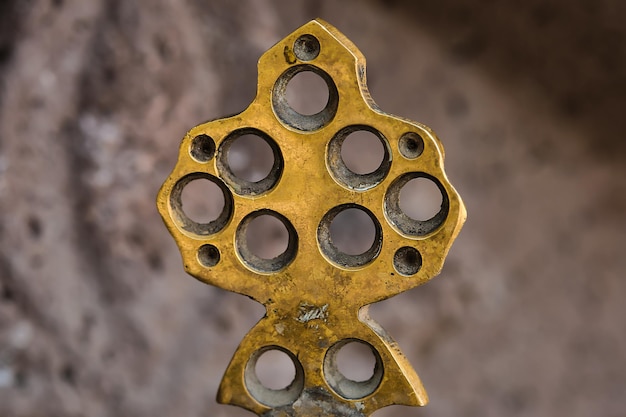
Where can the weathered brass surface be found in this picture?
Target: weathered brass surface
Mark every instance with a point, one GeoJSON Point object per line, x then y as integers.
{"type": "Point", "coordinates": [316, 297]}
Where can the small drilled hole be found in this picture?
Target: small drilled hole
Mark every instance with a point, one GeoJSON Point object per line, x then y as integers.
{"type": "Point", "coordinates": [356, 361]}
{"type": "Point", "coordinates": [208, 255]}
{"type": "Point", "coordinates": [352, 231]}
{"type": "Point", "coordinates": [250, 158]}
{"type": "Point", "coordinates": [202, 200]}
{"type": "Point", "coordinates": [307, 93]}
{"type": "Point", "coordinates": [306, 47]}
{"type": "Point", "coordinates": [420, 199]}
{"type": "Point", "coordinates": [362, 152]}
{"type": "Point", "coordinates": [267, 237]}
{"type": "Point", "coordinates": [411, 145]}
{"type": "Point", "coordinates": [275, 369]}
{"type": "Point", "coordinates": [407, 261]}
{"type": "Point", "coordinates": [202, 148]}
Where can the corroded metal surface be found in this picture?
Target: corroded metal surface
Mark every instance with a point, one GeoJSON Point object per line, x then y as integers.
{"type": "Point", "coordinates": [316, 296]}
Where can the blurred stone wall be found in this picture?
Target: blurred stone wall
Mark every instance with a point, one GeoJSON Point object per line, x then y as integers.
{"type": "Point", "coordinates": [97, 317]}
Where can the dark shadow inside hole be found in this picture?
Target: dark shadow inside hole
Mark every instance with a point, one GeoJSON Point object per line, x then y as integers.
{"type": "Point", "coordinates": [362, 152]}
{"type": "Point", "coordinates": [352, 231]}
{"type": "Point", "coordinates": [202, 148]}
{"type": "Point", "coordinates": [267, 237]}
{"type": "Point", "coordinates": [307, 93]}
{"type": "Point", "coordinates": [202, 200]}
{"type": "Point", "coordinates": [208, 255]}
{"type": "Point", "coordinates": [250, 158]}
{"type": "Point", "coordinates": [420, 199]}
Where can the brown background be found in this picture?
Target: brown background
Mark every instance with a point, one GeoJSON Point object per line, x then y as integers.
{"type": "Point", "coordinates": [97, 317]}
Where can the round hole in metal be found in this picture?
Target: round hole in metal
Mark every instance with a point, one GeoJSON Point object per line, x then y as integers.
{"type": "Point", "coordinates": [290, 116]}
{"type": "Point", "coordinates": [249, 175]}
{"type": "Point", "coordinates": [352, 259]}
{"type": "Point", "coordinates": [259, 258]}
{"type": "Point", "coordinates": [407, 261]}
{"type": "Point", "coordinates": [395, 202]}
{"type": "Point", "coordinates": [362, 152]}
{"type": "Point", "coordinates": [306, 47]}
{"type": "Point", "coordinates": [342, 173]}
{"type": "Point", "coordinates": [202, 200]}
{"type": "Point", "coordinates": [307, 93]}
{"type": "Point", "coordinates": [411, 145]}
{"type": "Point", "coordinates": [202, 148]}
{"type": "Point", "coordinates": [208, 255]}
{"type": "Point", "coordinates": [352, 231]}
{"type": "Point", "coordinates": [208, 204]}
{"type": "Point", "coordinates": [420, 199]}
{"type": "Point", "coordinates": [275, 369]}
{"type": "Point", "coordinates": [250, 157]}
{"type": "Point", "coordinates": [339, 372]}
{"type": "Point", "coordinates": [267, 237]}
{"type": "Point", "coordinates": [256, 375]}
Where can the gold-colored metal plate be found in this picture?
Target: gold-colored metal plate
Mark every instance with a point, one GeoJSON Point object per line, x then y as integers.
{"type": "Point", "coordinates": [316, 297]}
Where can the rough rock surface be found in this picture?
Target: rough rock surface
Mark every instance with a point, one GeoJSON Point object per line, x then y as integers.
{"type": "Point", "coordinates": [97, 317]}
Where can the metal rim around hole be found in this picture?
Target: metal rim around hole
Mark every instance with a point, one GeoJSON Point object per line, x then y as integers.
{"type": "Point", "coordinates": [405, 224]}
{"type": "Point", "coordinates": [183, 221]}
{"type": "Point", "coordinates": [243, 187]}
{"type": "Point", "coordinates": [292, 118]}
{"type": "Point", "coordinates": [257, 263]}
{"type": "Point", "coordinates": [339, 258]}
{"type": "Point", "coordinates": [345, 387]}
{"type": "Point", "coordinates": [342, 174]}
{"type": "Point", "coordinates": [271, 397]}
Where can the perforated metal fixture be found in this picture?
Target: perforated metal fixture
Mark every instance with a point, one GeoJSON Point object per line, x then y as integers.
{"type": "Point", "coordinates": [315, 293]}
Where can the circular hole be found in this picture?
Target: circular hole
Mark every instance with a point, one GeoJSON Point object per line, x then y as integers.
{"type": "Point", "coordinates": [307, 93]}
{"type": "Point", "coordinates": [275, 369]}
{"type": "Point", "coordinates": [208, 255]}
{"type": "Point", "coordinates": [250, 158]}
{"type": "Point", "coordinates": [416, 204]}
{"type": "Point", "coordinates": [420, 199]}
{"type": "Point", "coordinates": [267, 237]}
{"type": "Point", "coordinates": [358, 157]}
{"type": "Point", "coordinates": [352, 231]}
{"type": "Point", "coordinates": [353, 368]}
{"type": "Point", "coordinates": [356, 361]}
{"type": "Point", "coordinates": [266, 241]}
{"type": "Point", "coordinates": [362, 152]}
{"type": "Point", "coordinates": [407, 261]}
{"type": "Point", "coordinates": [249, 161]}
{"type": "Point", "coordinates": [352, 241]}
{"type": "Point", "coordinates": [202, 148]}
{"type": "Point", "coordinates": [305, 98]}
{"type": "Point", "coordinates": [274, 376]}
{"type": "Point", "coordinates": [411, 145]}
{"type": "Point", "coordinates": [202, 200]}
{"type": "Point", "coordinates": [306, 48]}
{"type": "Point", "coordinates": [201, 203]}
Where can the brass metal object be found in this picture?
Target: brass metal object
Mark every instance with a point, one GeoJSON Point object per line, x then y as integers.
{"type": "Point", "coordinates": [316, 297]}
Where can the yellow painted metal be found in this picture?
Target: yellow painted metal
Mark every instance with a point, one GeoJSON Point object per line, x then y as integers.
{"type": "Point", "coordinates": [315, 299]}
